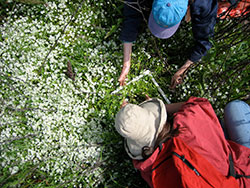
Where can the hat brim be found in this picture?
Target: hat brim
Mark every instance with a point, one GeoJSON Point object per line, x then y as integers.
{"type": "Point", "coordinates": [156, 127]}
{"type": "Point", "coordinates": [161, 32]}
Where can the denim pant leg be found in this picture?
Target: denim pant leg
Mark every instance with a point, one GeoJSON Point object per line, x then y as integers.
{"type": "Point", "coordinates": [237, 122]}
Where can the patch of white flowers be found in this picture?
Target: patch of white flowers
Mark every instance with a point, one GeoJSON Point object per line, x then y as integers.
{"type": "Point", "coordinates": [61, 131]}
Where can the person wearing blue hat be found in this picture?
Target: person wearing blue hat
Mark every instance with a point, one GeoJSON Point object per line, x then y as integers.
{"type": "Point", "coordinates": [163, 21]}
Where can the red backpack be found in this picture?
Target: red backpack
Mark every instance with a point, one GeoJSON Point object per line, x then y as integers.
{"type": "Point", "coordinates": [235, 9]}
{"type": "Point", "coordinates": [178, 165]}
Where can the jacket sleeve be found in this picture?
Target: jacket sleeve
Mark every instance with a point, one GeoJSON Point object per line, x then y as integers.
{"type": "Point", "coordinates": [203, 14]}
{"type": "Point", "coordinates": [131, 22]}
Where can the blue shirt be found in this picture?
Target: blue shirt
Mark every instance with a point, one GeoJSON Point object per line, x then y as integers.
{"type": "Point", "coordinates": [203, 17]}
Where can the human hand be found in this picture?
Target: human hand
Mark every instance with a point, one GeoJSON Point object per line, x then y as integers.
{"type": "Point", "coordinates": [124, 73]}
{"type": "Point", "coordinates": [177, 79]}
{"type": "Point", "coordinates": [179, 75]}
{"type": "Point", "coordinates": [124, 103]}
{"type": "Point", "coordinates": [147, 97]}
{"type": "Point", "coordinates": [127, 50]}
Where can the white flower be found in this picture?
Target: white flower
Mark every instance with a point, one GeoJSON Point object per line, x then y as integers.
{"type": "Point", "coordinates": [14, 170]}
{"type": "Point", "coordinates": [65, 125]}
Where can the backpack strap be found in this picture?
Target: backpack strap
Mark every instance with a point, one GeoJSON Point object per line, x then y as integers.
{"type": "Point", "coordinates": [232, 2]}
{"type": "Point", "coordinates": [182, 157]}
{"type": "Point", "coordinates": [232, 171]}
{"type": "Point", "coordinates": [161, 143]}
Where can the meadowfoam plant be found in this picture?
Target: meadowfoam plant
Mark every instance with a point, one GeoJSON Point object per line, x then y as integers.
{"type": "Point", "coordinates": [59, 63]}
{"type": "Point", "coordinates": [48, 95]}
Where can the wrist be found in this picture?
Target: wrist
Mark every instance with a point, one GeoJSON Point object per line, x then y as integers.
{"type": "Point", "coordinates": [188, 63]}
{"type": "Point", "coordinates": [184, 67]}
{"type": "Point", "coordinates": [126, 64]}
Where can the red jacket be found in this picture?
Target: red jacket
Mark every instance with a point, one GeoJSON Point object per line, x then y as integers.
{"type": "Point", "coordinates": [201, 130]}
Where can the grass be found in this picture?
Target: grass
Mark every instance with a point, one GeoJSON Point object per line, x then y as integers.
{"type": "Point", "coordinates": [60, 61]}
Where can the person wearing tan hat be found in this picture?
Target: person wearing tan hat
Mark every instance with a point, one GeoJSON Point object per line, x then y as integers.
{"type": "Point", "coordinates": [145, 126]}
{"type": "Point", "coordinates": [142, 124]}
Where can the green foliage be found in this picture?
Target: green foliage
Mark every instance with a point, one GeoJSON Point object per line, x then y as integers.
{"type": "Point", "coordinates": [87, 37]}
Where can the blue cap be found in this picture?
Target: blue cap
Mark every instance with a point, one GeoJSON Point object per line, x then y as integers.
{"type": "Point", "coordinates": [166, 16]}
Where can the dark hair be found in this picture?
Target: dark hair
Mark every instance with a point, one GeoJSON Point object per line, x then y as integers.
{"type": "Point", "coordinates": [167, 132]}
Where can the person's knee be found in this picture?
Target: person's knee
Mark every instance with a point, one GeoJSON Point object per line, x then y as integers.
{"type": "Point", "coordinates": [237, 121]}
{"type": "Point", "coordinates": [236, 104]}
{"type": "Point", "coordinates": [237, 110]}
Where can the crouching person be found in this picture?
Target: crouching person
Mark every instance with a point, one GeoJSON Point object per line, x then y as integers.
{"type": "Point", "coordinates": [190, 152]}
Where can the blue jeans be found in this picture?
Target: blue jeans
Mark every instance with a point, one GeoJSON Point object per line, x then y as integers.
{"type": "Point", "coordinates": [237, 122]}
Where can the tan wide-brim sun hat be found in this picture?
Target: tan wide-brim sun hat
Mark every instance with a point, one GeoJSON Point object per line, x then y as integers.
{"type": "Point", "coordinates": [140, 125]}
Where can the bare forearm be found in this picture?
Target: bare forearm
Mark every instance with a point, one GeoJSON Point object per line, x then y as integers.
{"type": "Point", "coordinates": [127, 50]}
{"type": "Point", "coordinates": [178, 76]}
{"type": "Point", "coordinates": [187, 64]}
{"type": "Point", "coordinates": [174, 107]}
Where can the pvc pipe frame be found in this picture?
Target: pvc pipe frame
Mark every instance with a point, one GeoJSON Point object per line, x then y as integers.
{"type": "Point", "coordinates": [147, 72]}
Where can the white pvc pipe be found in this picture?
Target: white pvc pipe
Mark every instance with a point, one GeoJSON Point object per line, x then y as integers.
{"type": "Point", "coordinates": [147, 72]}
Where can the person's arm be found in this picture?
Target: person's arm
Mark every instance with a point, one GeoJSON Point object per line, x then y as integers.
{"type": "Point", "coordinates": [132, 21]}
{"type": "Point", "coordinates": [178, 76]}
{"type": "Point", "coordinates": [127, 50]}
{"type": "Point", "coordinates": [203, 14]}
{"type": "Point", "coordinates": [173, 107]}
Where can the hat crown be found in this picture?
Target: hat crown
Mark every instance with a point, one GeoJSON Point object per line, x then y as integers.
{"type": "Point", "coordinates": [131, 121]}
{"type": "Point", "coordinates": [169, 13]}
{"type": "Point", "coordinates": [140, 125]}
